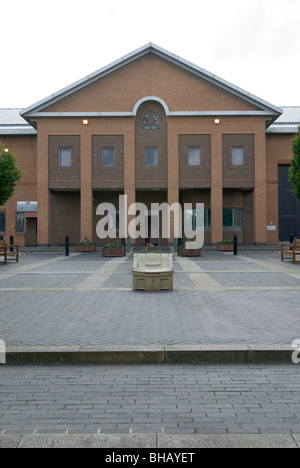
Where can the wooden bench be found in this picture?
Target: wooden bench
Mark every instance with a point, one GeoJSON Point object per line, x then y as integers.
{"type": "Point", "coordinates": [152, 272]}
{"type": "Point", "coordinates": [290, 250]}
{"type": "Point", "coordinates": [6, 253]}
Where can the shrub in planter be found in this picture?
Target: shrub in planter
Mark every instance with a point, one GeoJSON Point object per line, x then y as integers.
{"type": "Point", "coordinates": [189, 249]}
{"type": "Point", "coordinates": [113, 249]}
{"type": "Point", "coordinates": [86, 246]}
{"type": "Point", "coordinates": [149, 248]}
{"type": "Point", "coordinates": [225, 245]}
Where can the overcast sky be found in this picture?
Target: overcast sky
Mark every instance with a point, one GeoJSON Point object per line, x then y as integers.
{"type": "Point", "coordinates": [45, 46]}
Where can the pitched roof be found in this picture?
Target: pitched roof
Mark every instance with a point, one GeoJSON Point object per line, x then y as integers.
{"type": "Point", "coordinates": [11, 123]}
{"type": "Point", "coordinates": [287, 122]}
{"type": "Point", "coordinates": [11, 117]}
{"type": "Point", "coordinates": [262, 107]}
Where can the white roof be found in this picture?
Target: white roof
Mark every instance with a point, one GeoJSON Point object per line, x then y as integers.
{"type": "Point", "coordinates": [287, 122]}
{"type": "Point", "coordinates": [11, 123]}
{"type": "Point", "coordinates": [11, 117]}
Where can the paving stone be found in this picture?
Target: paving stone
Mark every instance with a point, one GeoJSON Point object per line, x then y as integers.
{"type": "Point", "coordinates": [226, 441]}
{"type": "Point", "coordinates": [63, 302]}
{"type": "Point", "coordinates": [55, 305]}
{"type": "Point", "coordinates": [129, 405]}
{"type": "Point", "coordinates": [257, 279]}
{"type": "Point", "coordinates": [89, 441]}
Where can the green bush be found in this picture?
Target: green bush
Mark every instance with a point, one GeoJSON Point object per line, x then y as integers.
{"type": "Point", "coordinates": [10, 174]}
{"type": "Point", "coordinates": [113, 245]}
{"type": "Point", "coordinates": [295, 165]}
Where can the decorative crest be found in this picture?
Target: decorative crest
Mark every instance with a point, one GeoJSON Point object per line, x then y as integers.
{"type": "Point", "coordinates": [151, 121]}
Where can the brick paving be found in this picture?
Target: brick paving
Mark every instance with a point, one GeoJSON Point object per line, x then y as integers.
{"type": "Point", "coordinates": [162, 399]}
{"type": "Point", "coordinates": [50, 300]}
{"type": "Point", "coordinates": [84, 299]}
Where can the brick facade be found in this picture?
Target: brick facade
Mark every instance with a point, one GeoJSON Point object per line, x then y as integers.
{"type": "Point", "coordinates": [151, 177]}
{"type": "Point", "coordinates": [63, 177]}
{"type": "Point", "coordinates": [186, 103]}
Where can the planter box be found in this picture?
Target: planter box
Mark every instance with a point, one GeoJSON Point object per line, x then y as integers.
{"type": "Point", "coordinates": [225, 247]}
{"type": "Point", "coordinates": [113, 252]}
{"type": "Point", "coordinates": [184, 252]}
{"type": "Point", "coordinates": [85, 248]}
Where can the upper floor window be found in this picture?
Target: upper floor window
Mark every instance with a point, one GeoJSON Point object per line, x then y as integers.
{"type": "Point", "coordinates": [2, 222]}
{"type": "Point", "coordinates": [194, 156]}
{"type": "Point", "coordinates": [151, 156]}
{"type": "Point", "coordinates": [65, 157]}
{"type": "Point", "coordinates": [108, 157]}
{"type": "Point", "coordinates": [237, 155]}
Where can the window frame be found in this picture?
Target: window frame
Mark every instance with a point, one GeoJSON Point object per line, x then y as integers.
{"type": "Point", "coordinates": [113, 155]}
{"type": "Point", "coordinates": [60, 157]}
{"type": "Point", "coordinates": [156, 156]}
{"type": "Point", "coordinates": [235, 147]}
{"type": "Point", "coordinates": [200, 155]}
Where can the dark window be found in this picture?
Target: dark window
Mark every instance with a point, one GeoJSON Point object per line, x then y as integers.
{"type": "Point", "coordinates": [193, 219]}
{"type": "Point", "coordinates": [207, 218]}
{"type": "Point", "coordinates": [2, 222]}
{"type": "Point", "coordinates": [232, 219]}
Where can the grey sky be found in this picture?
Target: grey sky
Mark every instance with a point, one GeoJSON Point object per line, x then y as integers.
{"type": "Point", "coordinates": [253, 44]}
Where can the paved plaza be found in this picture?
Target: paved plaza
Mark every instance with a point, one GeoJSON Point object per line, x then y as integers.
{"type": "Point", "coordinates": [53, 301]}
{"type": "Point", "coordinates": [84, 299]}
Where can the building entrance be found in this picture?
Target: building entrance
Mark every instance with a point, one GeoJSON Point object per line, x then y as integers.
{"type": "Point", "coordinates": [153, 224]}
{"type": "Point", "coordinates": [31, 232]}
{"type": "Point", "coordinates": [289, 208]}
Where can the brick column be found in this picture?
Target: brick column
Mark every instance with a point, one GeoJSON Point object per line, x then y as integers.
{"type": "Point", "coordinates": [43, 196]}
{"type": "Point", "coordinates": [173, 175]}
{"type": "Point", "coordinates": [86, 194]}
{"type": "Point", "coordinates": [216, 194]}
{"type": "Point", "coordinates": [260, 191]}
{"type": "Point", "coordinates": [129, 167]}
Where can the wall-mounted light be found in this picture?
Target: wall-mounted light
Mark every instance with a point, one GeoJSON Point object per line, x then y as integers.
{"type": "Point", "coordinates": [85, 122]}
{"type": "Point", "coordinates": [217, 121]}
{"type": "Point", "coordinates": [6, 150]}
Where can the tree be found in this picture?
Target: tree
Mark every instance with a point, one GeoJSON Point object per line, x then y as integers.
{"type": "Point", "coordinates": [10, 174]}
{"type": "Point", "coordinates": [295, 165]}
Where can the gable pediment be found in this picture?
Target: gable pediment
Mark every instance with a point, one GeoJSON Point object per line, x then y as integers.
{"type": "Point", "coordinates": [151, 71]}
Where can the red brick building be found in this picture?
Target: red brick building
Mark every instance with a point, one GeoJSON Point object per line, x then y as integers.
{"type": "Point", "coordinates": [158, 129]}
